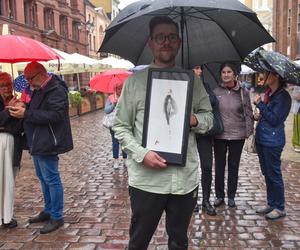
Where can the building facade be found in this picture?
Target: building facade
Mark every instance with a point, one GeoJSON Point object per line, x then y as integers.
{"type": "Point", "coordinates": [287, 27]}
{"type": "Point", "coordinates": [110, 7]}
{"type": "Point", "coordinates": [58, 23]}
{"type": "Point", "coordinates": [96, 23]}
{"type": "Point", "coordinates": [264, 11]}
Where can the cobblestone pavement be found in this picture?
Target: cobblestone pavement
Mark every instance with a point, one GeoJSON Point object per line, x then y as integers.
{"type": "Point", "coordinates": [97, 210]}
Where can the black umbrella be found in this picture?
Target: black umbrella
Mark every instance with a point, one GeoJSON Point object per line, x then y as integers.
{"type": "Point", "coordinates": [261, 60]}
{"type": "Point", "coordinates": [212, 31]}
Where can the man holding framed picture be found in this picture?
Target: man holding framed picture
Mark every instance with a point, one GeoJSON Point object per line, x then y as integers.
{"type": "Point", "coordinates": [154, 185]}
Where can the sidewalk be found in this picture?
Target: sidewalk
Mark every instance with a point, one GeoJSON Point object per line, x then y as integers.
{"type": "Point", "coordinates": [97, 207]}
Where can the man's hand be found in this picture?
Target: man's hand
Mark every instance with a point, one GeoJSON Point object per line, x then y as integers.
{"type": "Point", "coordinates": [257, 99]}
{"type": "Point", "coordinates": [17, 112]}
{"type": "Point", "coordinates": [153, 160]}
{"type": "Point", "coordinates": [193, 121]}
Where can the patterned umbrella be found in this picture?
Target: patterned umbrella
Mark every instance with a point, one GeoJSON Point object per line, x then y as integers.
{"type": "Point", "coordinates": [20, 83]}
{"type": "Point", "coordinates": [261, 60]}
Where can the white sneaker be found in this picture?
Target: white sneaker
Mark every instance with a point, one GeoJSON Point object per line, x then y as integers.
{"type": "Point", "coordinates": [297, 150]}
{"type": "Point", "coordinates": [116, 164]}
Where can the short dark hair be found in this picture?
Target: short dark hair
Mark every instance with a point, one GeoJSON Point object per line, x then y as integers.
{"type": "Point", "coordinates": [231, 65]}
{"type": "Point", "coordinates": [161, 20]}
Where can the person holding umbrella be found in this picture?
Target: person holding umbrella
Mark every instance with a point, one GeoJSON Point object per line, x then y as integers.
{"type": "Point", "coordinates": [155, 186]}
{"type": "Point", "coordinates": [10, 150]}
{"type": "Point", "coordinates": [110, 106]}
{"type": "Point", "coordinates": [273, 111]}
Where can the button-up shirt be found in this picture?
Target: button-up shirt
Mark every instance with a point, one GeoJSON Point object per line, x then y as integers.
{"type": "Point", "coordinates": [128, 127]}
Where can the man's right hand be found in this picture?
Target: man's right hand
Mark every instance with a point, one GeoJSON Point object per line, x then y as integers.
{"type": "Point", "coordinates": [153, 160]}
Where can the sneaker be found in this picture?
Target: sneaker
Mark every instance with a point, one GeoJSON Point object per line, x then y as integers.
{"type": "Point", "coordinates": [116, 164]}
{"type": "Point", "coordinates": [208, 208]}
{"type": "Point", "coordinates": [264, 210]}
{"type": "Point", "coordinates": [52, 225]}
{"type": "Point", "coordinates": [41, 217]}
{"type": "Point", "coordinates": [218, 202]}
{"type": "Point", "coordinates": [13, 223]}
{"type": "Point", "coordinates": [275, 214]}
{"type": "Point", "coordinates": [231, 202]}
{"type": "Point", "coordinates": [297, 150]}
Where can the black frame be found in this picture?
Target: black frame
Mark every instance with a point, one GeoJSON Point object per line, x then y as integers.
{"type": "Point", "coordinates": [170, 74]}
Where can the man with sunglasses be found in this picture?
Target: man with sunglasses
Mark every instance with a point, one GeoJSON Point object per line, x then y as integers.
{"type": "Point", "coordinates": [155, 186]}
{"type": "Point", "coordinates": [48, 133]}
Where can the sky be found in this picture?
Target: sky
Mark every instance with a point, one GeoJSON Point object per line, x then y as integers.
{"type": "Point", "coordinates": [124, 3]}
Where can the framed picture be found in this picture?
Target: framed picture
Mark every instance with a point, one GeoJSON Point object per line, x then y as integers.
{"type": "Point", "coordinates": [167, 113]}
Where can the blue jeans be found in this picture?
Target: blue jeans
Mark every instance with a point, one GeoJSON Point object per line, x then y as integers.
{"type": "Point", "coordinates": [115, 146]}
{"type": "Point", "coordinates": [46, 168]}
{"type": "Point", "coordinates": [270, 164]}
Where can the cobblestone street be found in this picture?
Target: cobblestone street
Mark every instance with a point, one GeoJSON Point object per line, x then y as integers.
{"type": "Point", "coordinates": [97, 209]}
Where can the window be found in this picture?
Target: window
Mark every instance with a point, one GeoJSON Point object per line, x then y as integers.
{"type": "Point", "coordinates": [94, 42]}
{"type": "Point", "coordinates": [289, 22]}
{"type": "Point", "coordinates": [90, 41]}
{"type": "Point", "coordinates": [261, 5]}
{"type": "Point", "coordinates": [74, 4]}
{"type": "Point", "coordinates": [48, 19]}
{"type": "Point", "coordinates": [75, 30]}
{"type": "Point", "coordinates": [12, 9]}
{"type": "Point", "coordinates": [63, 26]}
{"type": "Point", "coordinates": [1, 8]}
{"type": "Point", "coordinates": [30, 12]}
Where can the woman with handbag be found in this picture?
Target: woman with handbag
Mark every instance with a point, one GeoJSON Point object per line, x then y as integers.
{"type": "Point", "coordinates": [109, 108]}
{"type": "Point", "coordinates": [10, 151]}
{"type": "Point", "coordinates": [236, 112]}
{"type": "Point", "coordinates": [270, 140]}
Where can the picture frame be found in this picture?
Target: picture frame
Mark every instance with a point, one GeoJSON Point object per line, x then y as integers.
{"type": "Point", "coordinates": [167, 113]}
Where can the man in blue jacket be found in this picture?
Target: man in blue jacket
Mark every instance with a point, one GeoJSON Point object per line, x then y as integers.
{"type": "Point", "coordinates": [48, 133]}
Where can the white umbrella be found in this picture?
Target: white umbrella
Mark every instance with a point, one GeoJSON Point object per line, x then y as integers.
{"type": "Point", "coordinates": [116, 63]}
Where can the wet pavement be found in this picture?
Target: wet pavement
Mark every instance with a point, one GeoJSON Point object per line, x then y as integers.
{"type": "Point", "coordinates": [97, 210]}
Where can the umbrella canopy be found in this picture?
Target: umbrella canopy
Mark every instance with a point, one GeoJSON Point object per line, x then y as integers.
{"type": "Point", "coordinates": [212, 31]}
{"type": "Point", "coordinates": [117, 63]}
{"type": "Point", "coordinates": [106, 81]}
{"type": "Point", "coordinates": [261, 60]}
{"type": "Point", "coordinates": [15, 49]}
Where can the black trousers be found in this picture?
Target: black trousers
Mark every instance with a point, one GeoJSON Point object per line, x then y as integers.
{"type": "Point", "coordinates": [204, 145]}
{"type": "Point", "coordinates": [147, 209]}
{"type": "Point", "coordinates": [234, 149]}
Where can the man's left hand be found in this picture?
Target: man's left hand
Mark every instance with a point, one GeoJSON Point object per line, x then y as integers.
{"type": "Point", "coordinates": [17, 112]}
{"type": "Point", "coordinates": [193, 121]}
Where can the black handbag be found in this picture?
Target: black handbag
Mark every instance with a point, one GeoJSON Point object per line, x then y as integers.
{"type": "Point", "coordinates": [218, 126]}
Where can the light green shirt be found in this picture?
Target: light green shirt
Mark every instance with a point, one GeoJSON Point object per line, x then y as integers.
{"type": "Point", "coordinates": [128, 127]}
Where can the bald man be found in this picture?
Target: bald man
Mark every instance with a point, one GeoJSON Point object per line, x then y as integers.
{"type": "Point", "coordinates": [48, 133]}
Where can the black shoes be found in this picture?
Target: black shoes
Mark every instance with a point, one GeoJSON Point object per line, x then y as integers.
{"type": "Point", "coordinates": [41, 217]}
{"type": "Point", "coordinates": [13, 223]}
{"type": "Point", "coordinates": [231, 202]}
{"type": "Point", "coordinates": [208, 208]}
{"type": "Point", "coordinates": [197, 208]}
{"type": "Point", "coordinates": [52, 225]}
{"type": "Point", "coordinates": [218, 202]}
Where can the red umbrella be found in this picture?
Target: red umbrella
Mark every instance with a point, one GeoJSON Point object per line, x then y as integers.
{"type": "Point", "coordinates": [15, 49]}
{"type": "Point", "coordinates": [105, 82]}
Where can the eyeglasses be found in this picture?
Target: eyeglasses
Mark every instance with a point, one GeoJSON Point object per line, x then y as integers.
{"type": "Point", "coordinates": [32, 77]}
{"type": "Point", "coordinates": [161, 38]}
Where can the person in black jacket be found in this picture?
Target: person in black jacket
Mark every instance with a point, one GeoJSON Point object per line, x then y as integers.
{"type": "Point", "coordinates": [48, 133]}
{"type": "Point", "coordinates": [10, 151]}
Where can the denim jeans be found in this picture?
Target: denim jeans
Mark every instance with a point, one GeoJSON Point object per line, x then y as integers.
{"type": "Point", "coordinates": [270, 165]}
{"type": "Point", "coordinates": [46, 168]}
{"type": "Point", "coordinates": [115, 146]}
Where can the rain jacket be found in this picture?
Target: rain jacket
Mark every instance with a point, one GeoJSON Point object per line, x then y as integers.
{"type": "Point", "coordinates": [236, 112]}
{"type": "Point", "coordinates": [46, 120]}
{"type": "Point", "coordinates": [270, 127]}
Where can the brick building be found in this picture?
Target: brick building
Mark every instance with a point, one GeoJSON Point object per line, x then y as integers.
{"type": "Point", "coordinates": [286, 27]}
{"type": "Point", "coordinates": [57, 23]}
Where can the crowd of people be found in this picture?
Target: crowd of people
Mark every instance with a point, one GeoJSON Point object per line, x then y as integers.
{"type": "Point", "coordinates": [42, 126]}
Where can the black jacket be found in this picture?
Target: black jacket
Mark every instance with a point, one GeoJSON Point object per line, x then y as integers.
{"type": "Point", "coordinates": [13, 126]}
{"type": "Point", "coordinates": [46, 120]}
